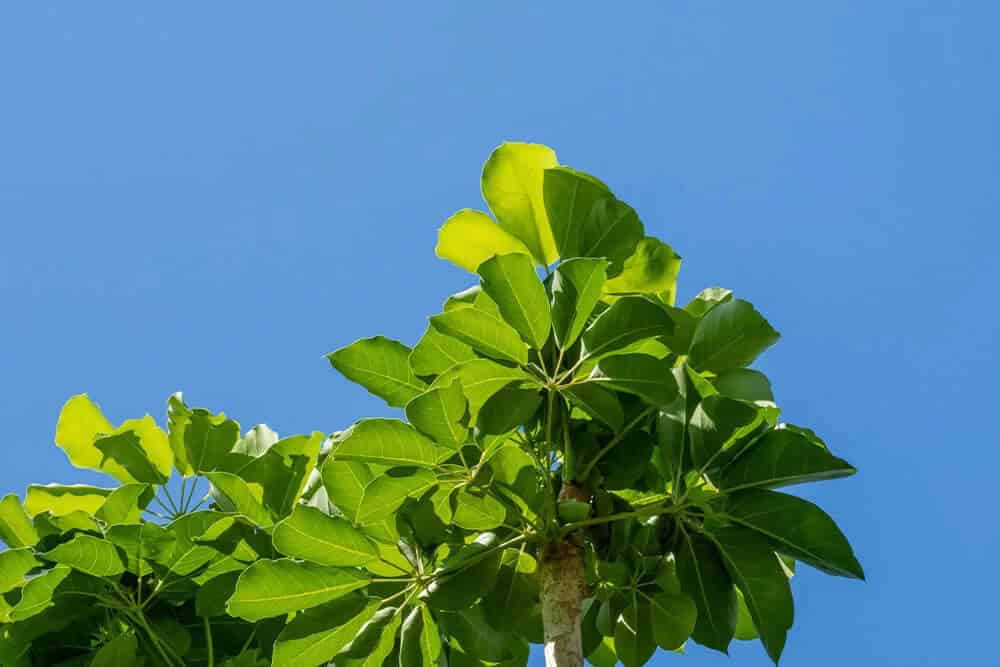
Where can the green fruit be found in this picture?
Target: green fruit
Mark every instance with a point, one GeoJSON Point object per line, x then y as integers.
{"type": "Point", "coordinates": [571, 511]}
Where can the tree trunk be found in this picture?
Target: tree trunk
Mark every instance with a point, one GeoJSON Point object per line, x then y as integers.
{"type": "Point", "coordinates": [564, 587]}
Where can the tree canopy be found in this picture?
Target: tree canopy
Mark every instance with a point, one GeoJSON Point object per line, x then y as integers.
{"type": "Point", "coordinates": [577, 462]}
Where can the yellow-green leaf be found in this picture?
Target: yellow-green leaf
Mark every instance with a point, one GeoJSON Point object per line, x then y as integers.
{"type": "Point", "coordinates": [277, 587]}
{"type": "Point", "coordinates": [15, 525]}
{"type": "Point", "coordinates": [512, 186]}
{"type": "Point", "coordinates": [651, 269]}
{"type": "Point", "coordinates": [470, 237]}
{"type": "Point", "coordinates": [317, 537]}
{"type": "Point", "coordinates": [63, 499]}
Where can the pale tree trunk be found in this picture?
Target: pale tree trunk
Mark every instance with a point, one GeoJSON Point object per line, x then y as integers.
{"type": "Point", "coordinates": [564, 587]}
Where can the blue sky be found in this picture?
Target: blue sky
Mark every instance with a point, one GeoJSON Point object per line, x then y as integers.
{"type": "Point", "coordinates": [209, 196]}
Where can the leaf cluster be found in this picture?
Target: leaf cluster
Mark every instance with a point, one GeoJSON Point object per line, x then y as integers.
{"type": "Point", "coordinates": [564, 397]}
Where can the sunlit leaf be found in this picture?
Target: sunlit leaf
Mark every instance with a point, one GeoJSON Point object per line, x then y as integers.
{"type": "Point", "coordinates": [380, 365]}
{"type": "Point", "coordinates": [387, 442]}
{"type": "Point", "coordinates": [88, 554]}
{"type": "Point", "coordinates": [436, 352]}
{"type": "Point", "coordinates": [319, 634]}
{"type": "Point", "coordinates": [484, 332]}
{"type": "Point", "coordinates": [275, 587]}
{"type": "Point", "coordinates": [651, 269]}
{"type": "Point", "coordinates": [311, 535]}
{"type": "Point", "coordinates": [441, 413]}
{"type": "Point", "coordinates": [576, 288]}
{"type": "Point", "coordinates": [731, 335]}
{"type": "Point", "coordinates": [62, 499]}
{"type": "Point", "coordinates": [15, 525]}
{"type": "Point", "coordinates": [628, 320]}
{"type": "Point", "coordinates": [511, 282]}
{"type": "Point", "coordinates": [512, 186]}
{"type": "Point", "coordinates": [470, 237]}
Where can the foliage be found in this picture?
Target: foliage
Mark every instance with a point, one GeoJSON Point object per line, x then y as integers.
{"type": "Point", "coordinates": [577, 405]}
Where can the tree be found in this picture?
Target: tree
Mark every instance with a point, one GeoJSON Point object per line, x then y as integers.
{"type": "Point", "coordinates": [582, 464]}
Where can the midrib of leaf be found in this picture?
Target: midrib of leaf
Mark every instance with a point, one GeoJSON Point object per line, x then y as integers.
{"type": "Point", "coordinates": [701, 583]}
{"type": "Point", "coordinates": [612, 341]}
{"type": "Point", "coordinates": [332, 545]}
{"type": "Point", "coordinates": [607, 231]}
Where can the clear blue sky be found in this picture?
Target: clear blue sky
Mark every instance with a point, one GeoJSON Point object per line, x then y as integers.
{"type": "Point", "coordinates": [209, 196]}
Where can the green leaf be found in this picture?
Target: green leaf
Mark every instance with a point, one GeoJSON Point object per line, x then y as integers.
{"type": "Point", "coordinates": [587, 220]}
{"type": "Point", "coordinates": [508, 409]}
{"type": "Point", "coordinates": [796, 528]}
{"type": "Point", "coordinates": [242, 497]}
{"type": "Point", "coordinates": [441, 413]}
{"type": "Point", "coordinates": [122, 650]}
{"type": "Point", "coordinates": [673, 618]}
{"type": "Point", "coordinates": [213, 595]}
{"type": "Point", "coordinates": [282, 471]}
{"type": "Point", "coordinates": [373, 643]}
{"type": "Point", "coordinates": [477, 510]}
{"type": "Point", "coordinates": [513, 177]}
{"type": "Point", "coordinates": [597, 402]}
{"type": "Point", "coordinates": [481, 378]}
{"type": "Point", "coordinates": [704, 578]}
{"type": "Point", "coordinates": [387, 493]}
{"type": "Point", "coordinates": [319, 634]}
{"type": "Point", "coordinates": [147, 541]}
{"type": "Point", "coordinates": [125, 504]}
{"type": "Point", "coordinates": [716, 425]}
{"type": "Point", "coordinates": [387, 442]}
{"type": "Point", "coordinates": [200, 440]}
{"type": "Point", "coordinates": [634, 637]}
{"type": "Point", "coordinates": [380, 365]}
{"type": "Point", "coordinates": [782, 457]}
{"type": "Point", "coordinates": [37, 595]}
{"type": "Point", "coordinates": [484, 332]}
{"type": "Point", "coordinates": [745, 630]}
{"type": "Point", "coordinates": [651, 269]}
{"type": "Point", "coordinates": [628, 320]}
{"type": "Point", "coordinates": [576, 288]}
{"type": "Point", "coordinates": [345, 483]}
{"type": "Point", "coordinates": [731, 335]}
{"type": "Point", "coordinates": [81, 424]}
{"type": "Point", "coordinates": [758, 574]}
{"type": "Point", "coordinates": [15, 525]}
{"type": "Point", "coordinates": [625, 463]}
{"type": "Point", "coordinates": [88, 554]}
{"type": "Point", "coordinates": [511, 281]}
{"type": "Point", "coordinates": [744, 384]}
{"type": "Point", "coordinates": [311, 535]}
{"type": "Point", "coordinates": [420, 641]}
{"type": "Point", "coordinates": [62, 499]}
{"type": "Point", "coordinates": [186, 555]}
{"type": "Point", "coordinates": [125, 449]}
{"type": "Point", "coordinates": [470, 237]}
{"type": "Point", "coordinates": [640, 374]}
{"type": "Point", "coordinates": [706, 300]}
{"type": "Point", "coordinates": [516, 589]}
{"type": "Point", "coordinates": [275, 587]}
{"type": "Point", "coordinates": [465, 576]}
{"type": "Point", "coordinates": [435, 353]}
{"type": "Point", "coordinates": [14, 565]}
{"type": "Point", "coordinates": [479, 640]}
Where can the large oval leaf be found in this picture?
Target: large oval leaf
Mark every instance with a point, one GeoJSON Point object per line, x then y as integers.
{"type": "Point", "coordinates": [317, 635]}
{"type": "Point", "coordinates": [704, 578]}
{"type": "Point", "coordinates": [576, 288]}
{"type": "Point", "coordinates": [797, 528]}
{"type": "Point", "coordinates": [628, 320]}
{"type": "Point", "coordinates": [387, 442]}
{"type": "Point", "coordinates": [469, 238]}
{"type": "Point", "coordinates": [511, 281]}
{"type": "Point", "coordinates": [513, 177]}
{"type": "Point", "coordinates": [651, 269]}
{"type": "Point", "coordinates": [15, 525]}
{"type": "Point", "coordinates": [311, 535]}
{"type": "Point", "coordinates": [436, 352]}
{"type": "Point", "coordinates": [731, 335]}
{"type": "Point", "coordinates": [88, 554]}
{"type": "Point", "coordinates": [640, 374]}
{"type": "Point", "coordinates": [758, 574]}
{"type": "Point", "coordinates": [481, 379]}
{"type": "Point", "coordinates": [380, 365]}
{"type": "Point", "coordinates": [387, 492]}
{"type": "Point", "coordinates": [276, 587]}
{"type": "Point", "coordinates": [441, 413]}
{"type": "Point", "coordinates": [782, 457]}
{"type": "Point", "coordinates": [484, 332]}
{"type": "Point", "coordinates": [587, 220]}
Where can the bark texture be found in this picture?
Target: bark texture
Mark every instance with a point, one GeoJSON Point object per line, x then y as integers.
{"type": "Point", "coordinates": [563, 588]}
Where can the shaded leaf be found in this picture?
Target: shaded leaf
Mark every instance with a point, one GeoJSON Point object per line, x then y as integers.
{"type": "Point", "coordinates": [481, 378]}
{"type": "Point", "coordinates": [508, 409]}
{"type": "Point", "coordinates": [387, 492]}
{"type": "Point", "coordinates": [634, 642]}
{"type": "Point", "coordinates": [673, 619]}
{"type": "Point", "coordinates": [640, 374]}
{"type": "Point", "coordinates": [477, 510]}
{"type": "Point", "coordinates": [782, 457]}
{"type": "Point", "coordinates": [705, 580]}
{"type": "Point", "coordinates": [796, 528]}
{"type": "Point", "coordinates": [651, 269]}
{"type": "Point", "coordinates": [758, 574]}
{"type": "Point", "coordinates": [319, 634]}
{"type": "Point", "coordinates": [420, 640]}
{"type": "Point", "coordinates": [597, 402]}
